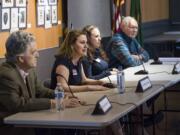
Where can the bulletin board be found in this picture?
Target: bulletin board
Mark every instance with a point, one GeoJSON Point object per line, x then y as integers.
{"type": "Point", "coordinates": [46, 38]}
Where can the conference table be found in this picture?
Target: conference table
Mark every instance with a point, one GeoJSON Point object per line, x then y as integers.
{"type": "Point", "coordinates": [156, 73]}
{"type": "Point", "coordinates": [82, 118]}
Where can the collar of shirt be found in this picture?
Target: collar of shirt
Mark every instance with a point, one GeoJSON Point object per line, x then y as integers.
{"type": "Point", "coordinates": [23, 74]}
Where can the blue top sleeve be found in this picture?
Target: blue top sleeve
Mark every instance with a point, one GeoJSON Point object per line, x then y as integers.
{"type": "Point", "coordinates": [122, 50]}
{"type": "Point", "coordinates": [89, 68]}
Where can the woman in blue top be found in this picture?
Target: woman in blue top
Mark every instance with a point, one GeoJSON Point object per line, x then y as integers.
{"type": "Point", "coordinates": [96, 63]}
{"type": "Point", "coordinates": [68, 65]}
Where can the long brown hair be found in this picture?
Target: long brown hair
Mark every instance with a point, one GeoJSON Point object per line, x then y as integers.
{"type": "Point", "coordinates": [66, 48]}
{"type": "Point", "coordinates": [90, 51]}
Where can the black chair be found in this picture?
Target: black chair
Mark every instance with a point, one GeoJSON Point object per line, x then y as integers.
{"type": "Point", "coordinates": [47, 83]}
{"type": "Point", "coordinates": [105, 41]}
{"type": "Point", "coordinates": [177, 50]}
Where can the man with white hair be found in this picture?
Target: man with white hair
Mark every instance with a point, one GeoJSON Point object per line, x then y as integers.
{"type": "Point", "coordinates": [124, 49]}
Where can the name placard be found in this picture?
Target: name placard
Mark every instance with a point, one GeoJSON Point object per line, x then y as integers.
{"type": "Point", "coordinates": [102, 106]}
{"type": "Point", "coordinates": [143, 84]}
{"type": "Point", "coordinates": [176, 69]}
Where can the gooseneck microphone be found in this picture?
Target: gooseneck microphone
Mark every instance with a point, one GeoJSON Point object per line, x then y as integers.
{"type": "Point", "coordinates": [80, 102]}
{"type": "Point", "coordinates": [110, 84]}
{"type": "Point", "coordinates": [144, 71]}
{"type": "Point", "coordinates": [67, 84]}
{"type": "Point", "coordinates": [156, 57]}
{"type": "Point", "coordinates": [141, 72]}
{"type": "Point", "coordinates": [156, 61]}
{"type": "Point", "coordinates": [109, 79]}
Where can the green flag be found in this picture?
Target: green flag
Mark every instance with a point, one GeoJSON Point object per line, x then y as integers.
{"type": "Point", "coordinates": [136, 13]}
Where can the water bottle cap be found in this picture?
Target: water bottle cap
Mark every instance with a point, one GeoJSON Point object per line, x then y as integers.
{"type": "Point", "coordinates": [120, 68]}
{"type": "Point", "coordinates": [119, 72]}
{"type": "Point", "coordinates": [58, 84]}
{"type": "Point", "coordinates": [59, 87]}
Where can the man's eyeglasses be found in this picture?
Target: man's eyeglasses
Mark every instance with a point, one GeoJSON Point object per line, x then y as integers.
{"type": "Point", "coordinates": [133, 27]}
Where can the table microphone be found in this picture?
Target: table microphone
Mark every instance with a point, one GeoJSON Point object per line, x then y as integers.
{"type": "Point", "coordinates": [109, 84]}
{"type": "Point", "coordinates": [67, 84]}
{"type": "Point", "coordinates": [156, 61]}
{"type": "Point", "coordinates": [141, 72]}
{"type": "Point", "coordinates": [81, 102]}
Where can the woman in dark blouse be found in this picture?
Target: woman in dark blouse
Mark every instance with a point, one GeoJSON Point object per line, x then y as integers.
{"type": "Point", "coordinates": [96, 63]}
{"type": "Point", "coordinates": [68, 65]}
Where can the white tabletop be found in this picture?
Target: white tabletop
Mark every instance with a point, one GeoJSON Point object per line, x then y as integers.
{"type": "Point", "coordinates": [81, 117]}
{"type": "Point", "coordinates": [156, 73]}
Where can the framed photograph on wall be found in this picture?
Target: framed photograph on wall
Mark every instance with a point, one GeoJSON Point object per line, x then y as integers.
{"type": "Point", "coordinates": [54, 15]}
{"type": "Point", "coordinates": [5, 19]}
{"type": "Point", "coordinates": [22, 17]}
{"type": "Point", "coordinates": [40, 15]}
{"type": "Point", "coordinates": [52, 2]}
{"type": "Point", "coordinates": [48, 17]}
{"type": "Point", "coordinates": [20, 3]}
{"type": "Point", "coordinates": [7, 3]}
{"type": "Point", "coordinates": [14, 18]}
{"type": "Point", "coordinates": [42, 2]}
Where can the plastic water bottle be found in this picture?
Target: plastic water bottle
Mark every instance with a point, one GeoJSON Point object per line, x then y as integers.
{"type": "Point", "coordinates": [59, 97]}
{"type": "Point", "coordinates": [120, 82]}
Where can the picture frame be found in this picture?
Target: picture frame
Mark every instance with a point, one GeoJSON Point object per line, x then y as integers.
{"type": "Point", "coordinates": [7, 3]}
{"type": "Point", "coordinates": [22, 18]}
{"type": "Point", "coordinates": [54, 15]}
{"type": "Point", "coordinates": [42, 2]}
{"type": "Point", "coordinates": [14, 18]}
{"type": "Point", "coordinates": [40, 15]}
{"type": "Point", "coordinates": [5, 19]}
{"type": "Point", "coordinates": [52, 2]}
{"type": "Point", "coordinates": [20, 3]}
{"type": "Point", "coordinates": [48, 17]}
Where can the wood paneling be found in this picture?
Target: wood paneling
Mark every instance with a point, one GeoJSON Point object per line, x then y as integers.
{"type": "Point", "coordinates": [152, 10]}
{"type": "Point", "coordinates": [46, 38]}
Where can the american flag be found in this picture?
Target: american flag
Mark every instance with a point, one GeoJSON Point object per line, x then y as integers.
{"type": "Point", "coordinates": [116, 17]}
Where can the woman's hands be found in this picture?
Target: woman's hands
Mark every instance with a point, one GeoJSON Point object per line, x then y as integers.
{"type": "Point", "coordinates": [69, 95]}
{"type": "Point", "coordinates": [71, 102]}
{"type": "Point", "coordinates": [68, 102]}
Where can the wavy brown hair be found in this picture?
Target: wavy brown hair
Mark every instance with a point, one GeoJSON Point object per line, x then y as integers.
{"type": "Point", "coordinates": [90, 51]}
{"type": "Point", "coordinates": [66, 49]}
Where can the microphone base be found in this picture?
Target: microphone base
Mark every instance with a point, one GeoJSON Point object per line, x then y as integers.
{"type": "Point", "coordinates": [156, 63]}
{"type": "Point", "coordinates": [109, 85]}
{"type": "Point", "coordinates": [141, 72]}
